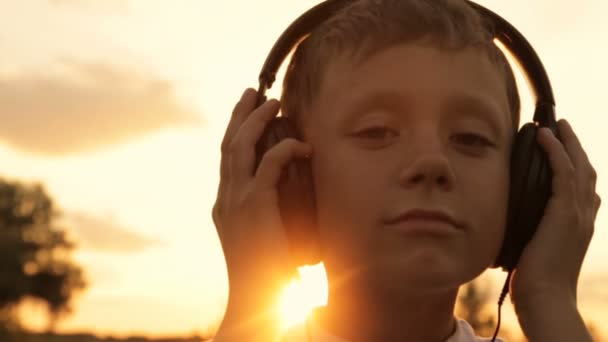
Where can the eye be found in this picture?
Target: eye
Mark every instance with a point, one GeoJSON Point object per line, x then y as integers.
{"type": "Point", "coordinates": [376, 133]}
{"type": "Point", "coordinates": [470, 139]}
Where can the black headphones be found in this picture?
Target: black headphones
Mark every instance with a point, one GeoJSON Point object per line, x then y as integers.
{"type": "Point", "coordinates": [530, 174]}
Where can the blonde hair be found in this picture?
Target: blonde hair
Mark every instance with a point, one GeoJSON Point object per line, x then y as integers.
{"type": "Point", "coordinates": [366, 26]}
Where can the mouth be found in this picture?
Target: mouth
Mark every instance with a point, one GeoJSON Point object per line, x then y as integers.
{"type": "Point", "coordinates": [425, 220]}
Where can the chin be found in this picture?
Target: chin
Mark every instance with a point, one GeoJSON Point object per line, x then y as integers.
{"type": "Point", "coordinates": [426, 272]}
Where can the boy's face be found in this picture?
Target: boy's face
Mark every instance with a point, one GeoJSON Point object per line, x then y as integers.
{"type": "Point", "coordinates": [411, 127]}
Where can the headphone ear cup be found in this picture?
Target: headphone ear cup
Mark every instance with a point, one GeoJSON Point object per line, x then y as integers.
{"type": "Point", "coordinates": [530, 188]}
{"type": "Point", "coordinates": [296, 195]}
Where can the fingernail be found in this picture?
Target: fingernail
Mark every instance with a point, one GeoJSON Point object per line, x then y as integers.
{"type": "Point", "coordinates": [547, 130]}
{"type": "Point", "coordinates": [308, 149]}
{"type": "Point", "coordinates": [246, 92]}
{"type": "Point", "coordinates": [273, 103]}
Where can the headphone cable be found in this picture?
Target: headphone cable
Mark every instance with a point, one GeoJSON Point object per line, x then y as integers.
{"type": "Point", "coordinates": [503, 294]}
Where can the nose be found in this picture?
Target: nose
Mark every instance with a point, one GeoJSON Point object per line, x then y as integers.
{"type": "Point", "coordinates": [429, 169]}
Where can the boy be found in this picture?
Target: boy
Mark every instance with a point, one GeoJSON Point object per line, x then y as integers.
{"type": "Point", "coordinates": [407, 112]}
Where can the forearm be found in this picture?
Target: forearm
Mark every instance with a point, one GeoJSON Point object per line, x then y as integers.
{"type": "Point", "coordinates": [552, 320]}
{"type": "Point", "coordinates": [248, 325]}
{"type": "Point", "coordinates": [251, 315]}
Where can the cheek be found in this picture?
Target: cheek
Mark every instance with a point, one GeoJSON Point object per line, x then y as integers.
{"type": "Point", "coordinates": [336, 185]}
{"type": "Point", "coordinates": [345, 193]}
{"type": "Point", "coordinates": [489, 205]}
{"type": "Point", "coordinates": [495, 193]}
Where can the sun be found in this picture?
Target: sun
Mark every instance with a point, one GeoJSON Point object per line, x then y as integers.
{"type": "Point", "coordinates": [301, 296]}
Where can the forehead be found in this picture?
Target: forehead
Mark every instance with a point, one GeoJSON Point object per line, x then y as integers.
{"type": "Point", "coordinates": [413, 76]}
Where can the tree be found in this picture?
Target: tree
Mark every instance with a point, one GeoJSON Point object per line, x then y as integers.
{"type": "Point", "coordinates": [477, 305]}
{"type": "Point", "coordinates": [473, 302]}
{"type": "Point", "coordinates": [34, 254]}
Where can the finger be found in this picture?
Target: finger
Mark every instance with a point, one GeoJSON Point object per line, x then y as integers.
{"type": "Point", "coordinates": [276, 158]}
{"type": "Point", "coordinates": [586, 176]}
{"type": "Point", "coordinates": [571, 142]}
{"type": "Point", "coordinates": [242, 108]}
{"type": "Point", "coordinates": [240, 112]}
{"type": "Point", "coordinates": [575, 150]}
{"type": "Point", "coordinates": [242, 147]}
{"type": "Point", "coordinates": [564, 182]}
{"type": "Point", "coordinates": [597, 203]}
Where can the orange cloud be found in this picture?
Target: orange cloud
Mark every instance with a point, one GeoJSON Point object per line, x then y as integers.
{"type": "Point", "coordinates": [115, 4]}
{"type": "Point", "coordinates": [594, 288]}
{"type": "Point", "coordinates": [102, 234]}
{"type": "Point", "coordinates": [85, 107]}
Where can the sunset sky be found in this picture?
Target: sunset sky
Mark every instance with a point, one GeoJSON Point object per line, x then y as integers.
{"type": "Point", "coordinates": [118, 107]}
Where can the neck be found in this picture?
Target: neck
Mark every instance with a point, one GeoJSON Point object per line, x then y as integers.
{"type": "Point", "coordinates": [363, 313]}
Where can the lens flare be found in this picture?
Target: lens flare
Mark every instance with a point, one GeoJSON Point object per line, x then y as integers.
{"type": "Point", "coordinates": [301, 296]}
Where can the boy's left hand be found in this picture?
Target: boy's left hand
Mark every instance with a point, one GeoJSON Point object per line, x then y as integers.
{"type": "Point", "coordinates": [549, 267]}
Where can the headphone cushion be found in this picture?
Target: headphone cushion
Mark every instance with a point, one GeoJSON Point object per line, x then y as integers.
{"type": "Point", "coordinates": [530, 188]}
{"type": "Point", "coordinates": [296, 195]}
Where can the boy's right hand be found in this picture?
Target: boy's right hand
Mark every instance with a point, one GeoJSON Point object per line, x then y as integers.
{"type": "Point", "coordinates": [246, 212]}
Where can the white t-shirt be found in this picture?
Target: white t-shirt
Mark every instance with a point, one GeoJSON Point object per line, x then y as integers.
{"type": "Point", "coordinates": [463, 333]}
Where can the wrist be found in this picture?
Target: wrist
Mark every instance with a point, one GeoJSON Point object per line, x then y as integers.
{"type": "Point", "coordinates": [540, 301]}
{"type": "Point", "coordinates": [252, 310]}
{"type": "Point", "coordinates": [551, 318]}
{"type": "Point", "coordinates": [252, 321]}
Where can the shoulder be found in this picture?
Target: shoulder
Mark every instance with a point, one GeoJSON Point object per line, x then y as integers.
{"type": "Point", "coordinates": [465, 333]}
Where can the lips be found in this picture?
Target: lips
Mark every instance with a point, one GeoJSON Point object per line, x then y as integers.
{"type": "Point", "coordinates": [426, 215]}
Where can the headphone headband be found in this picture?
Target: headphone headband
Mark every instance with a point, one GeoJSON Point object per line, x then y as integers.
{"type": "Point", "coordinates": [508, 35]}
